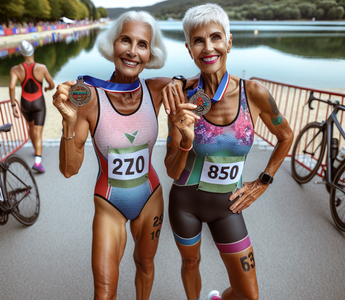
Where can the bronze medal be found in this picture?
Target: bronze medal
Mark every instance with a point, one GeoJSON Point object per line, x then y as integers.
{"type": "Point", "coordinates": [80, 94]}
{"type": "Point", "coordinates": [202, 101]}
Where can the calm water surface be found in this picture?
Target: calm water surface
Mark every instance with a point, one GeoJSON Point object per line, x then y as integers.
{"type": "Point", "coordinates": [311, 56]}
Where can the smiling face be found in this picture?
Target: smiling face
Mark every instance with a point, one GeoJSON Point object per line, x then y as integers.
{"type": "Point", "coordinates": [132, 49]}
{"type": "Point", "coordinates": [209, 47]}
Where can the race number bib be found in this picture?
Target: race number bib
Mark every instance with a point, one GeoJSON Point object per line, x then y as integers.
{"type": "Point", "coordinates": [128, 167]}
{"type": "Point", "coordinates": [221, 174]}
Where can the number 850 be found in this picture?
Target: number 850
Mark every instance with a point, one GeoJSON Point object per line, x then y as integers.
{"type": "Point", "coordinates": [224, 171]}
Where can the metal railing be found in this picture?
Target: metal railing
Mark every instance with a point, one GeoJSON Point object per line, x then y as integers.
{"type": "Point", "coordinates": [13, 140]}
{"type": "Point", "coordinates": [291, 100]}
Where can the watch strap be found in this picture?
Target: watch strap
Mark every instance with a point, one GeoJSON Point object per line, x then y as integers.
{"type": "Point", "coordinates": [181, 78]}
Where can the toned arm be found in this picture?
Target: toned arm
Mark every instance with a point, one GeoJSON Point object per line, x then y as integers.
{"type": "Point", "coordinates": [75, 122]}
{"type": "Point", "coordinates": [262, 104]}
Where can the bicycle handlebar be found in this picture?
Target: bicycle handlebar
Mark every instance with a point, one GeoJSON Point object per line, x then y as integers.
{"type": "Point", "coordinates": [329, 102]}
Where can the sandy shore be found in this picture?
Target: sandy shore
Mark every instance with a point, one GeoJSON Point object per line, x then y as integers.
{"type": "Point", "coordinates": [52, 127]}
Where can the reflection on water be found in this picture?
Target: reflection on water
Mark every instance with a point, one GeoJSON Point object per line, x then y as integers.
{"type": "Point", "coordinates": [54, 53]}
{"type": "Point", "coordinates": [305, 44]}
{"type": "Point", "coordinates": [297, 57]}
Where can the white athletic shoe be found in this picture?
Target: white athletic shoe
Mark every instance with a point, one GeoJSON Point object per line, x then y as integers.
{"type": "Point", "coordinates": [214, 295]}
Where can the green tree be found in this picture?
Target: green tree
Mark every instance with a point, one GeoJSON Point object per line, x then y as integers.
{"type": "Point", "coordinates": [11, 9]}
{"type": "Point", "coordinates": [284, 13]}
{"type": "Point", "coordinates": [90, 6]}
{"type": "Point", "coordinates": [37, 9]}
{"type": "Point", "coordinates": [102, 11]}
{"type": "Point", "coordinates": [69, 9]}
{"type": "Point", "coordinates": [327, 5]}
{"type": "Point", "coordinates": [295, 13]}
{"type": "Point", "coordinates": [267, 12]}
{"type": "Point", "coordinates": [83, 11]}
{"type": "Point", "coordinates": [253, 11]}
{"type": "Point", "coordinates": [307, 10]}
{"type": "Point", "coordinates": [320, 12]}
{"type": "Point", "coordinates": [55, 11]}
{"type": "Point", "coordinates": [339, 12]}
{"type": "Point", "coordinates": [331, 14]}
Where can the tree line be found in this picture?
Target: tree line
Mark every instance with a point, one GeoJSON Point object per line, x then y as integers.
{"type": "Point", "coordinates": [253, 9]}
{"type": "Point", "coordinates": [33, 11]}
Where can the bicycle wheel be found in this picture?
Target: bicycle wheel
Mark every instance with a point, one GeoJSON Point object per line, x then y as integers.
{"type": "Point", "coordinates": [337, 199]}
{"type": "Point", "coordinates": [21, 189]}
{"type": "Point", "coordinates": [308, 152]}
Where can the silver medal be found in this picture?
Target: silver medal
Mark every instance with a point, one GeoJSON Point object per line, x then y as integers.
{"type": "Point", "coordinates": [80, 94]}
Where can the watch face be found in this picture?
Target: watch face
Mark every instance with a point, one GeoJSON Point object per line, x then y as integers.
{"type": "Point", "coordinates": [265, 178]}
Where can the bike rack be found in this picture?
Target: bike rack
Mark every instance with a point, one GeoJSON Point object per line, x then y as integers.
{"type": "Point", "coordinates": [13, 140]}
{"type": "Point", "coordinates": [291, 100]}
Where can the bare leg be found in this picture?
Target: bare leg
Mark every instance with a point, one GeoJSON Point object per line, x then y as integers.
{"type": "Point", "coordinates": [32, 133]}
{"type": "Point", "coordinates": [108, 246]}
{"type": "Point", "coordinates": [242, 275]}
{"type": "Point", "coordinates": [35, 133]}
{"type": "Point", "coordinates": [146, 230]}
{"type": "Point", "coordinates": [190, 269]}
{"type": "Point", "coordinates": [38, 130]}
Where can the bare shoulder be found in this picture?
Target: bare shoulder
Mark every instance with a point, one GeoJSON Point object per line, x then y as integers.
{"type": "Point", "coordinates": [256, 91]}
{"type": "Point", "coordinates": [156, 84]}
{"type": "Point", "coordinates": [16, 68]}
{"type": "Point", "coordinates": [41, 66]}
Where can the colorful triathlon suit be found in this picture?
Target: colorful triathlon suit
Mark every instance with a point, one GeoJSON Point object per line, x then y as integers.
{"type": "Point", "coordinates": [32, 104]}
{"type": "Point", "coordinates": [123, 145]}
{"type": "Point", "coordinates": [213, 171]}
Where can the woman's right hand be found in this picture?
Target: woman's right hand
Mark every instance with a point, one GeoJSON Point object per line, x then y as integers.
{"type": "Point", "coordinates": [184, 121]}
{"type": "Point", "coordinates": [61, 101]}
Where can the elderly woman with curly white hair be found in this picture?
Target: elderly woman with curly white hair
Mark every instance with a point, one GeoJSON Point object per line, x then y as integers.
{"type": "Point", "coordinates": [122, 120]}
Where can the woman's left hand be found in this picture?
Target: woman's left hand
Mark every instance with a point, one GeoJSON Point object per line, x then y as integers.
{"type": "Point", "coordinates": [249, 192]}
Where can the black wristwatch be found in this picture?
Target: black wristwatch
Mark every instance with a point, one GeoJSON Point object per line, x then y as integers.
{"type": "Point", "coordinates": [266, 178]}
{"type": "Point", "coordinates": [180, 77]}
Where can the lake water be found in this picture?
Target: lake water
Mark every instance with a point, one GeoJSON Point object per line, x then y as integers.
{"type": "Point", "coordinates": [309, 54]}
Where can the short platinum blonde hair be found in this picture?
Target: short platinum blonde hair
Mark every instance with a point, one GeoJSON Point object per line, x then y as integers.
{"type": "Point", "coordinates": [105, 40]}
{"type": "Point", "coordinates": [203, 15]}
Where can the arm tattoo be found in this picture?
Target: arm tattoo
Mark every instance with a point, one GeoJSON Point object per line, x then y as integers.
{"type": "Point", "coordinates": [278, 120]}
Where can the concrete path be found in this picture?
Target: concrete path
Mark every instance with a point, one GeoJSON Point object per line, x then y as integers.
{"type": "Point", "coordinates": [299, 252]}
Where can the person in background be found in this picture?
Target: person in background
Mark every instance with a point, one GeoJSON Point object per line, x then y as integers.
{"type": "Point", "coordinates": [32, 104]}
{"type": "Point", "coordinates": [206, 152]}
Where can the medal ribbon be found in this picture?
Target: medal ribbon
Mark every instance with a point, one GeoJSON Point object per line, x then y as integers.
{"type": "Point", "coordinates": [220, 90]}
{"type": "Point", "coordinates": [111, 86]}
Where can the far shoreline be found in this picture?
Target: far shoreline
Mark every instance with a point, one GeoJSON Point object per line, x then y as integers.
{"type": "Point", "coordinates": [10, 40]}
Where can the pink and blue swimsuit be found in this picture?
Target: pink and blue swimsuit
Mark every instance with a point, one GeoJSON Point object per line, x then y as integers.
{"type": "Point", "coordinates": [123, 144]}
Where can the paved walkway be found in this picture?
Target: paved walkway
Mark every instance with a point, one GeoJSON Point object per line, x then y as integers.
{"type": "Point", "coordinates": [299, 252]}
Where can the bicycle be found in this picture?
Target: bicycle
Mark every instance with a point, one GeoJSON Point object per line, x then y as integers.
{"type": "Point", "coordinates": [18, 189]}
{"type": "Point", "coordinates": [308, 153]}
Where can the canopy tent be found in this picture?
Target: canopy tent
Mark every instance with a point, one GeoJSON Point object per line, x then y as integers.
{"type": "Point", "coordinates": [66, 20]}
